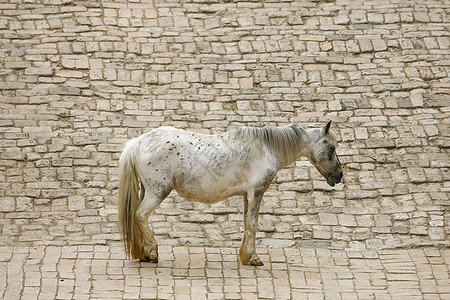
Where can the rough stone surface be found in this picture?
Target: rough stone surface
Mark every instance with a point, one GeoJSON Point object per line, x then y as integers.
{"type": "Point", "coordinates": [102, 272]}
{"type": "Point", "coordinates": [80, 78]}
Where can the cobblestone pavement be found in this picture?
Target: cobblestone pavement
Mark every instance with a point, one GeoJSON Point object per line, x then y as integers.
{"type": "Point", "coordinates": [100, 272]}
{"type": "Point", "coordinates": [79, 78]}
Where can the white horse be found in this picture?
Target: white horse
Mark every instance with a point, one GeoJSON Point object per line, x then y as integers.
{"type": "Point", "coordinates": [211, 168]}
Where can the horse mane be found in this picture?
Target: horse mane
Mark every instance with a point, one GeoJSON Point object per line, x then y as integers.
{"type": "Point", "coordinates": [285, 141]}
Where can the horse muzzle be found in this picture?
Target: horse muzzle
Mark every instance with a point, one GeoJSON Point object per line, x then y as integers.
{"type": "Point", "coordinates": [332, 179]}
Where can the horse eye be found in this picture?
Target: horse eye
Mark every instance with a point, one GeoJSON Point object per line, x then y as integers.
{"type": "Point", "coordinates": [332, 148]}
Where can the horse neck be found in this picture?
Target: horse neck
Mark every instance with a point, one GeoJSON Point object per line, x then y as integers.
{"type": "Point", "coordinates": [285, 160]}
{"type": "Point", "coordinates": [286, 143]}
{"type": "Point", "coordinates": [306, 135]}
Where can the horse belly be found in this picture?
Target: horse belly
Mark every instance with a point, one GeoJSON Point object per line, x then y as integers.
{"type": "Point", "coordinates": [209, 190]}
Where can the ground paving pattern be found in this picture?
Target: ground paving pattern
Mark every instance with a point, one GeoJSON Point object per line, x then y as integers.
{"type": "Point", "coordinates": [79, 78]}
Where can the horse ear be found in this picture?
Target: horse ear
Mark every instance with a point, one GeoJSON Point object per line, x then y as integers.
{"type": "Point", "coordinates": [327, 127]}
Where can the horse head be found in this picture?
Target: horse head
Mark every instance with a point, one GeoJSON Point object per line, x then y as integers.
{"type": "Point", "coordinates": [321, 152]}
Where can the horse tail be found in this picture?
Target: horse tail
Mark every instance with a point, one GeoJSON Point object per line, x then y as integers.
{"type": "Point", "coordinates": [129, 199]}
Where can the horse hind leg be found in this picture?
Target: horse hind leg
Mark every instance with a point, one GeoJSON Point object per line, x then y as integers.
{"type": "Point", "coordinates": [149, 202]}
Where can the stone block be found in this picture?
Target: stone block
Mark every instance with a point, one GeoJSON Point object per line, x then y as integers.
{"type": "Point", "coordinates": [361, 234]}
{"type": "Point", "coordinates": [436, 233]}
{"type": "Point", "coordinates": [164, 78]}
{"type": "Point", "coordinates": [17, 65]}
{"type": "Point", "coordinates": [421, 16]}
{"type": "Point", "coordinates": [95, 64]}
{"type": "Point", "coordinates": [12, 155]}
{"type": "Point", "coordinates": [62, 162]}
{"type": "Point", "coordinates": [341, 19]}
{"type": "Point", "coordinates": [322, 235]}
{"type": "Point", "coordinates": [311, 37]}
{"type": "Point", "coordinates": [418, 230]}
{"type": "Point", "coordinates": [198, 219]}
{"type": "Point", "coordinates": [416, 175]}
{"type": "Point", "coordinates": [365, 45]}
{"type": "Point", "coordinates": [11, 85]}
{"type": "Point", "coordinates": [358, 17]}
{"type": "Point", "coordinates": [379, 45]}
{"type": "Point", "coordinates": [69, 73]}
{"type": "Point", "coordinates": [380, 143]}
{"type": "Point", "coordinates": [110, 147]}
{"type": "Point", "coordinates": [7, 204]}
{"type": "Point", "coordinates": [43, 71]}
{"type": "Point", "coordinates": [347, 134]}
{"type": "Point", "coordinates": [347, 220]}
{"type": "Point", "coordinates": [328, 219]}
{"type": "Point", "coordinates": [206, 76]}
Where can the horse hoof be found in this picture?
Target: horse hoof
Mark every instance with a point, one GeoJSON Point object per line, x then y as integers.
{"type": "Point", "coordinates": [149, 259]}
{"type": "Point", "coordinates": [256, 262]}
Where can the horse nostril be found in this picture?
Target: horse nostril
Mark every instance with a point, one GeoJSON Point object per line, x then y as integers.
{"type": "Point", "coordinates": [341, 175]}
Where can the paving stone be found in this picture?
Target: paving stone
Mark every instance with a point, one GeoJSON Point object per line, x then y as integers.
{"type": "Point", "coordinates": [308, 272]}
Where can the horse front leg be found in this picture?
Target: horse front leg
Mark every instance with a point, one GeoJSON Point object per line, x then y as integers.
{"type": "Point", "coordinates": [247, 252]}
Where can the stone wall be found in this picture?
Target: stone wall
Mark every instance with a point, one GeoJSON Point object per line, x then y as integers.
{"type": "Point", "coordinates": [79, 78]}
